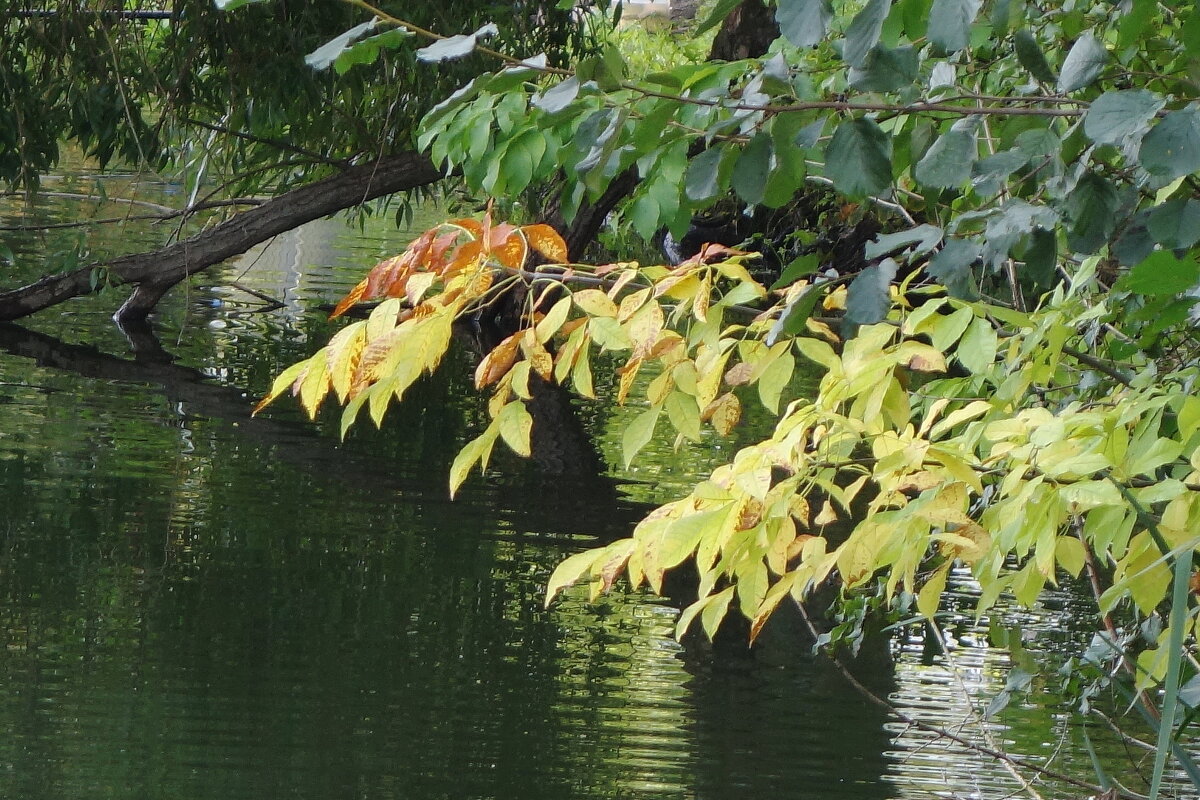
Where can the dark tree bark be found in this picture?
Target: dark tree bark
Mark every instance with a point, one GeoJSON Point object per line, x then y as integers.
{"type": "Point", "coordinates": [157, 271]}
{"type": "Point", "coordinates": [747, 32]}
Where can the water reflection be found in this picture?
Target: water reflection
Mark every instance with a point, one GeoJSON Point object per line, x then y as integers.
{"type": "Point", "coordinates": [197, 604]}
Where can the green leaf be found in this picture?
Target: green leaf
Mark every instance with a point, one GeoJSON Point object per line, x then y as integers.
{"type": "Point", "coordinates": [863, 31]}
{"type": "Point", "coordinates": [1175, 224]}
{"type": "Point", "coordinates": [1162, 273]}
{"type": "Point", "coordinates": [753, 168]}
{"type": "Point", "coordinates": [859, 158]}
{"type": "Point", "coordinates": [1172, 147]}
{"type": "Point", "coordinates": [950, 23]}
{"type": "Point", "coordinates": [977, 348]}
{"type": "Point", "coordinates": [951, 267]}
{"type": "Point", "coordinates": [455, 47]}
{"type": "Point", "coordinates": [1084, 63]}
{"type": "Point", "coordinates": [327, 53]}
{"type": "Point", "coordinates": [1092, 207]}
{"type": "Point", "coordinates": [925, 237]}
{"type": "Point", "coordinates": [990, 174]}
{"type": "Point", "coordinates": [885, 69]}
{"type": "Point", "coordinates": [367, 51]}
{"type": "Point", "coordinates": [557, 97]}
{"type": "Point", "coordinates": [948, 163]}
{"type": "Point", "coordinates": [638, 434]}
{"type": "Point", "coordinates": [803, 22]}
{"type": "Point", "coordinates": [869, 296]}
{"type": "Point", "coordinates": [1133, 23]}
{"type": "Point", "coordinates": [703, 179]}
{"type": "Point", "coordinates": [230, 5]}
{"type": "Point", "coordinates": [1115, 116]}
{"type": "Point", "coordinates": [1029, 54]}
{"type": "Point", "coordinates": [792, 321]}
{"type": "Point", "coordinates": [1041, 260]}
{"type": "Point", "coordinates": [684, 414]}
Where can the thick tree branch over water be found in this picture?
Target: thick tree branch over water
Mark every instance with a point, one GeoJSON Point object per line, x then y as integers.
{"type": "Point", "coordinates": [157, 271]}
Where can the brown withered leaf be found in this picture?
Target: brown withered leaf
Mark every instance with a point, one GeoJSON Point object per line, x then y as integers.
{"type": "Point", "coordinates": [497, 362]}
{"type": "Point", "coordinates": [711, 252]}
{"type": "Point", "coordinates": [739, 374]}
{"type": "Point", "coordinates": [546, 241]}
{"type": "Point", "coordinates": [749, 515]}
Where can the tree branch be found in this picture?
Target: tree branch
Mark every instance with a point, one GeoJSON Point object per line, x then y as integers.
{"type": "Point", "coordinates": [157, 271]}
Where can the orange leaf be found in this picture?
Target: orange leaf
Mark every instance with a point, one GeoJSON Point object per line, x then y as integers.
{"type": "Point", "coordinates": [547, 242]}
{"type": "Point", "coordinates": [351, 299]}
{"type": "Point", "coordinates": [471, 226]}
{"type": "Point", "coordinates": [497, 362]}
{"type": "Point", "coordinates": [511, 252]}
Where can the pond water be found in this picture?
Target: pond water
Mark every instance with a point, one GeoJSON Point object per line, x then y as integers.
{"type": "Point", "coordinates": [197, 604]}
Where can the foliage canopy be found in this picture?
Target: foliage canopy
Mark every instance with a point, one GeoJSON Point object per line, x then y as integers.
{"type": "Point", "coordinates": [1011, 390]}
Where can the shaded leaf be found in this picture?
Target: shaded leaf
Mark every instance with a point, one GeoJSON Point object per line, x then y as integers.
{"type": "Point", "coordinates": [454, 47]}
{"type": "Point", "coordinates": [753, 168]}
{"type": "Point", "coordinates": [951, 267]}
{"type": "Point", "coordinates": [950, 23]}
{"type": "Point", "coordinates": [1175, 224]}
{"type": "Point", "coordinates": [1029, 54]}
{"type": "Point", "coordinates": [803, 22]}
{"type": "Point", "coordinates": [1115, 116]}
{"type": "Point", "coordinates": [859, 158]}
{"type": "Point", "coordinates": [869, 296]}
{"type": "Point", "coordinates": [885, 69]}
{"type": "Point", "coordinates": [1092, 208]}
{"type": "Point", "coordinates": [1084, 63]}
{"type": "Point", "coordinates": [863, 32]}
{"type": "Point", "coordinates": [947, 164]}
{"type": "Point", "coordinates": [1172, 147]}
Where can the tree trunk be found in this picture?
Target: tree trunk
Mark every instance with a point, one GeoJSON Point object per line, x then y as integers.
{"type": "Point", "coordinates": [157, 271]}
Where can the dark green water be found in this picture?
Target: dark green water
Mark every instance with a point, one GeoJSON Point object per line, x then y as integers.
{"type": "Point", "coordinates": [196, 604]}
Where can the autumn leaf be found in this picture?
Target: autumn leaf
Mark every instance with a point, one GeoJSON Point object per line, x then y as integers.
{"type": "Point", "coordinates": [497, 362]}
{"type": "Point", "coordinates": [546, 241]}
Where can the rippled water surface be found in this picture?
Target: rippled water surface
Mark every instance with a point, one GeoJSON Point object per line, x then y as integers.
{"type": "Point", "coordinates": [197, 604]}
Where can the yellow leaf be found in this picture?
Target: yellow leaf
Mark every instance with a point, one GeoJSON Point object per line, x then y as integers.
{"type": "Point", "coordinates": [628, 373]}
{"type": "Point", "coordinates": [594, 303]}
{"type": "Point", "coordinates": [631, 304]}
{"type": "Point", "coordinates": [930, 596]}
{"type": "Point", "coordinates": [724, 413]}
{"type": "Point", "coordinates": [315, 384]}
{"type": "Point", "coordinates": [475, 450]}
{"type": "Point", "coordinates": [515, 425]}
{"type": "Point", "coordinates": [281, 383]}
{"type": "Point", "coordinates": [643, 329]}
{"type": "Point", "coordinates": [570, 571]}
{"type": "Point", "coordinates": [553, 320]}
{"type": "Point", "coordinates": [345, 352]}
{"type": "Point", "coordinates": [827, 515]}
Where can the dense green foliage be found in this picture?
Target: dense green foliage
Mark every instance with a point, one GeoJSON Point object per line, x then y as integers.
{"type": "Point", "coordinates": [209, 92]}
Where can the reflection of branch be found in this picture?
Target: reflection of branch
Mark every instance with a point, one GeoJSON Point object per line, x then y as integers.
{"type": "Point", "coordinates": [942, 733]}
{"type": "Point", "coordinates": [579, 503]}
{"type": "Point", "coordinates": [168, 213]}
